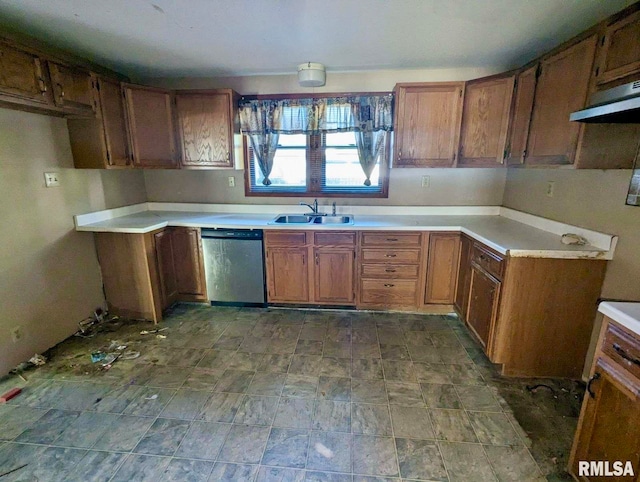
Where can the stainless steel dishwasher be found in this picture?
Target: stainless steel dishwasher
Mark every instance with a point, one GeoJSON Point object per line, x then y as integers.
{"type": "Point", "coordinates": [234, 266]}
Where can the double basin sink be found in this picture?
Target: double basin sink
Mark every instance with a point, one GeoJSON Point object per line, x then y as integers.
{"type": "Point", "coordinates": [312, 219]}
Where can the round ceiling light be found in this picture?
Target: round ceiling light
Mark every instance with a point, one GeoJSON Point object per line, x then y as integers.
{"type": "Point", "coordinates": [311, 74]}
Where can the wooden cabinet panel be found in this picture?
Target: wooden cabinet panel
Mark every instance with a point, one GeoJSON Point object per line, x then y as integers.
{"type": "Point", "coordinates": [561, 89]}
{"type": "Point", "coordinates": [21, 75]}
{"type": "Point", "coordinates": [483, 303]}
{"type": "Point", "coordinates": [620, 53]}
{"type": "Point", "coordinates": [150, 126]}
{"type": "Point", "coordinates": [166, 267]}
{"type": "Point", "coordinates": [287, 275]}
{"type": "Point", "coordinates": [395, 255]}
{"type": "Point", "coordinates": [391, 239]}
{"type": "Point", "coordinates": [205, 129]}
{"type": "Point", "coordinates": [102, 143]}
{"type": "Point", "coordinates": [521, 115]}
{"type": "Point", "coordinates": [346, 239]}
{"type": "Point", "coordinates": [485, 122]}
{"type": "Point", "coordinates": [609, 423]}
{"type": "Point", "coordinates": [464, 277]}
{"type": "Point", "coordinates": [427, 124]}
{"type": "Point", "coordinates": [73, 89]}
{"type": "Point", "coordinates": [391, 271]}
{"type": "Point", "coordinates": [285, 238]}
{"type": "Point", "coordinates": [442, 268]}
{"type": "Point", "coordinates": [189, 265]}
{"type": "Point", "coordinates": [488, 260]}
{"type": "Point", "coordinates": [334, 275]}
{"type": "Point", "coordinates": [389, 293]}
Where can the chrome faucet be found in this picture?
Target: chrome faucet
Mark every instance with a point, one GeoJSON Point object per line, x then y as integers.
{"type": "Point", "coordinates": [313, 207]}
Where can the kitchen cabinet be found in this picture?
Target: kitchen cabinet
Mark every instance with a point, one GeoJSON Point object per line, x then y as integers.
{"type": "Point", "coordinates": [464, 277]}
{"type": "Point", "coordinates": [521, 115]}
{"type": "Point", "coordinates": [484, 292]}
{"type": "Point", "coordinates": [205, 122]}
{"type": "Point", "coordinates": [22, 79]}
{"type": "Point", "coordinates": [619, 55]}
{"type": "Point", "coordinates": [390, 267]}
{"type": "Point", "coordinates": [73, 89]}
{"type": "Point", "coordinates": [101, 142]}
{"type": "Point", "coordinates": [287, 274]}
{"type": "Point", "coordinates": [150, 120]}
{"type": "Point", "coordinates": [442, 268]}
{"type": "Point", "coordinates": [334, 271]}
{"type": "Point", "coordinates": [166, 267]}
{"type": "Point", "coordinates": [609, 424]}
{"type": "Point", "coordinates": [485, 121]}
{"type": "Point", "coordinates": [562, 86]}
{"type": "Point", "coordinates": [427, 124]}
{"type": "Point", "coordinates": [189, 265]}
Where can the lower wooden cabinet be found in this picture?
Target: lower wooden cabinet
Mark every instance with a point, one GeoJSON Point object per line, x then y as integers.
{"type": "Point", "coordinates": [166, 267]}
{"type": "Point", "coordinates": [189, 264]}
{"type": "Point", "coordinates": [333, 275]}
{"type": "Point", "coordinates": [442, 268]}
{"type": "Point", "coordinates": [482, 308]}
{"type": "Point", "coordinates": [287, 274]}
{"type": "Point", "coordinates": [609, 425]}
{"type": "Point", "coordinates": [464, 276]}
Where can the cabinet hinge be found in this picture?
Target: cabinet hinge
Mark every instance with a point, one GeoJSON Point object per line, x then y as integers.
{"type": "Point", "coordinates": [354, 255]}
{"type": "Point", "coordinates": [602, 40]}
{"type": "Point", "coordinates": [597, 71]}
{"type": "Point", "coordinates": [97, 85]}
{"type": "Point", "coordinates": [538, 71]}
{"type": "Point", "coordinates": [460, 93]}
{"type": "Point", "coordinates": [108, 156]}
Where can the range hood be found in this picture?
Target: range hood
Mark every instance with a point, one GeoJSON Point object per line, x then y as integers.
{"type": "Point", "coordinates": [617, 105]}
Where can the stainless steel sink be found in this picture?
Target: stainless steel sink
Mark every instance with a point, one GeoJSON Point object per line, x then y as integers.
{"type": "Point", "coordinates": [311, 219]}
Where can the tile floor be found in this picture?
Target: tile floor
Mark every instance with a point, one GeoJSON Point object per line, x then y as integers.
{"type": "Point", "coordinates": [278, 395]}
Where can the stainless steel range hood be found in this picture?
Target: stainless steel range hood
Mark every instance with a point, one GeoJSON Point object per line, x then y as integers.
{"type": "Point", "coordinates": [617, 105]}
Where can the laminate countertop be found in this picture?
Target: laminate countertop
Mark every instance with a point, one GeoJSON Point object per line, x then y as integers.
{"type": "Point", "coordinates": [500, 232]}
{"type": "Point", "coordinates": [625, 313]}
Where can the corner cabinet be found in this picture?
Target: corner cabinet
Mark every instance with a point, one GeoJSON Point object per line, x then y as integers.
{"type": "Point", "coordinates": [609, 424]}
{"type": "Point", "coordinates": [206, 125]}
{"type": "Point", "coordinates": [427, 124]}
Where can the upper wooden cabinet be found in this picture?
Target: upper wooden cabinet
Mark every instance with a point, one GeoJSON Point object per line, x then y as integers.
{"type": "Point", "coordinates": [150, 120]}
{"type": "Point", "coordinates": [485, 122]}
{"type": "Point", "coordinates": [427, 124]}
{"type": "Point", "coordinates": [22, 79]}
{"type": "Point", "coordinates": [525, 89]}
{"type": "Point", "coordinates": [619, 55]}
{"type": "Point", "coordinates": [73, 89]}
{"type": "Point", "coordinates": [102, 143]}
{"type": "Point", "coordinates": [205, 128]}
{"type": "Point", "coordinates": [561, 89]}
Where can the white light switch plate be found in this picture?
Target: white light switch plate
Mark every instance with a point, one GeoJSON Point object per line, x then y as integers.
{"type": "Point", "coordinates": [51, 179]}
{"type": "Point", "coordinates": [232, 181]}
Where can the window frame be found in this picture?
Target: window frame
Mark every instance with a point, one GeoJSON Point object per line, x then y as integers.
{"type": "Point", "coordinates": [316, 163]}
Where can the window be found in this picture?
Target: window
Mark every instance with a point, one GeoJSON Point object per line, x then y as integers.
{"type": "Point", "coordinates": [324, 165]}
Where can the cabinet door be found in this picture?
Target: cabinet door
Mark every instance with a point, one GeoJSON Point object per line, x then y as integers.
{"type": "Point", "coordinates": [333, 276]}
{"type": "Point", "coordinates": [72, 89]}
{"type": "Point", "coordinates": [561, 89]}
{"type": "Point", "coordinates": [113, 122]}
{"type": "Point", "coordinates": [442, 268]}
{"type": "Point", "coordinates": [485, 122]}
{"type": "Point", "coordinates": [150, 126]}
{"type": "Point", "coordinates": [464, 277]}
{"type": "Point", "coordinates": [609, 422]}
{"type": "Point", "coordinates": [166, 267]}
{"type": "Point", "coordinates": [189, 266]}
{"type": "Point", "coordinates": [428, 124]}
{"type": "Point", "coordinates": [483, 303]}
{"type": "Point", "coordinates": [287, 274]}
{"type": "Point", "coordinates": [21, 75]}
{"type": "Point", "coordinates": [205, 129]}
{"type": "Point", "coordinates": [521, 115]}
{"type": "Point", "coordinates": [620, 53]}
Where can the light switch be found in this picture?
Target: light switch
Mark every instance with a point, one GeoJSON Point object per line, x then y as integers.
{"type": "Point", "coordinates": [232, 181]}
{"type": "Point", "coordinates": [51, 179]}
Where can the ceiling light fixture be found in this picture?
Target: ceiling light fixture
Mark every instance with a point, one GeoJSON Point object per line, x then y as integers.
{"type": "Point", "coordinates": [311, 74]}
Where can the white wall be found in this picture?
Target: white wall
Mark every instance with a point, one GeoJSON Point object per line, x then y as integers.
{"type": "Point", "coordinates": [49, 274]}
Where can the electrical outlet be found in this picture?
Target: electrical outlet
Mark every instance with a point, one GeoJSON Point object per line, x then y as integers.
{"type": "Point", "coordinates": [16, 334]}
{"type": "Point", "coordinates": [550, 188]}
{"type": "Point", "coordinates": [426, 181]}
{"type": "Point", "coordinates": [51, 179]}
{"type": "Point", "coordinates": [232, 181]}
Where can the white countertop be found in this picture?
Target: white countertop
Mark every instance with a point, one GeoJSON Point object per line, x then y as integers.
{"type": "Point", "coordinates": [625, 313]}
{"type": "Point", "coordinates": [501, 233]}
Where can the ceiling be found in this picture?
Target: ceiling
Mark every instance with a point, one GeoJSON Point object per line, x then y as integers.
{"type": "Point", "coordinates": [178, 38]}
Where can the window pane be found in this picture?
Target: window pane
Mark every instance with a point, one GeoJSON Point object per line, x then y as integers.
{"type": "Point", "coordinates": [289, 164]}
{"type": "Point", "coordinates": [343, 164]}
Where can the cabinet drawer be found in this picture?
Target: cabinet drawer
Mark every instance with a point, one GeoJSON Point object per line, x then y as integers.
{"type": "Point", "coordinates": [491, 262]}
{"type": "Point", "coordinates": [391, 255]}
{"type": "Point", "coordinates": [622, 348]}
{"type": "Point", "coordinates": [391, 239]}
{"type": "Point", "coordinates": [388, 292]}
{"type": "Point", "coordinates": [285, 238]}
{"type": "Point", "coordinates": [334, 239]}
{"type": "Point", "coordinates": [389, 271]}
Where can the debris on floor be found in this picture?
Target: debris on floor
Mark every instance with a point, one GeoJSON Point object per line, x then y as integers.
{"type": "Point", "coordinates": [14, 392]}
{"type": "Point", "coordinates": [151, 332]}
{"type": "Point", "coordinates": [37, 360]}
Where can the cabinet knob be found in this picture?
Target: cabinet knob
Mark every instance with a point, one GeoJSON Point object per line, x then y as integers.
{"type": "Point", "coordinates": [390, 270]}
{"type": "Point", "coordinates": [392, 239]}
{"type": "Point", "coordinates": [390, 255]}
{"type": "Point", "coordinates": [389, 285]}
{"type": "Point", "coordinates": [624, 354]}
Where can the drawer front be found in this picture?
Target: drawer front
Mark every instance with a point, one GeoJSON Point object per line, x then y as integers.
{"type": "Point", "coordinates": [285, 238]}
{"type": "Point", "coordinates": [623, 349]}
{"type": "Point", "coordinates": [394, 271]}
{"type": "Point", "coordinates": [391, 239]}
{"type": "Point", "coordinates": [391, 255]}
{"type": "Point", "coordinates": [388, 292]}
{"type": "Point", "coordinates": [488, 260]}
{"type": "Point", "coordinates": [334, 239]}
